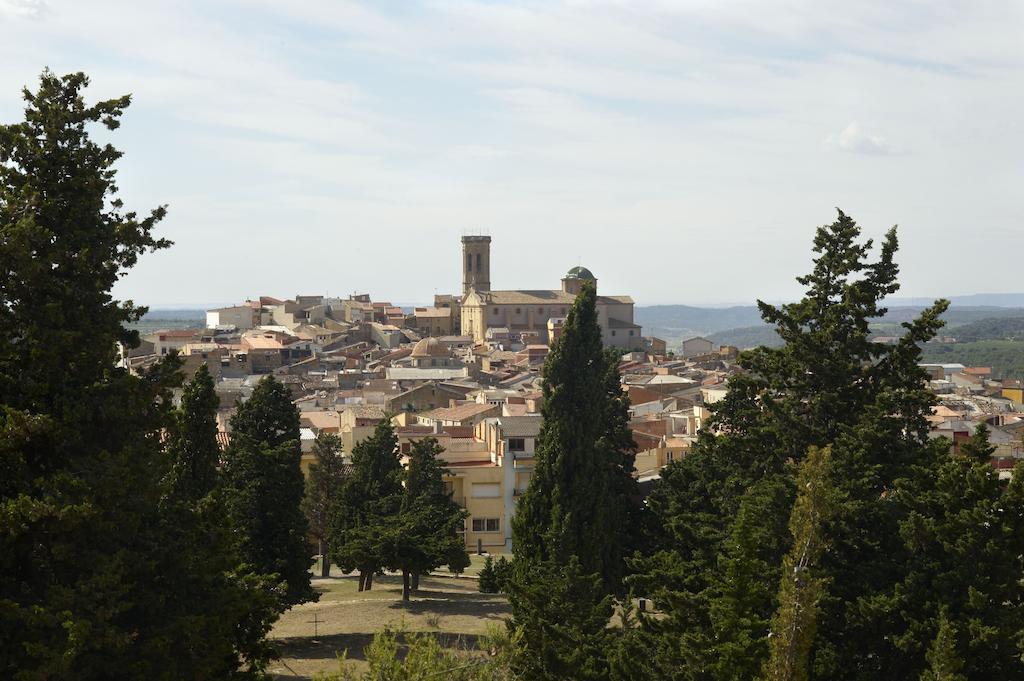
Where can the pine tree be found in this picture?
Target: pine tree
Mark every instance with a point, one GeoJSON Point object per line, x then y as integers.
{"type": "Point", "coordinates": [802, 584]}
{"type": "Point", "coordinates": [584, 452]}
{"type": "Point", "coordinates": [425, 534]}
{"type": "Point", "coordinates": [368, 506]}
{"type": "Point", "coordinates": [323, 485]}
{"type": "Point", "coordinates": [264, 488]}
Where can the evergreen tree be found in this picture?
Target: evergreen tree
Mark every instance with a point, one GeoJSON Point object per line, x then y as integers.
{"type": "Point", "coordinates": [368, 506]}
{"type": "Point", "coordinates": [103, 573]}
{"type": "Point", "coordinates": [802, 585]}
{"type": "Point", "coordinates": [193, 448]}
{"type": "Point", "coordinates": [560, 621]}
{"type": "Point", "coordinates": [264, 488]}
{"type": "Point", "coordinates": [828, 385]}
{"type": "Point", "coordinates": [584, 452]}
{"type": "Point", "coordinates": [735, 605]}
{"type": "Point", "coordinates": [323, 485]}
{"type": "Point", "coordinates": [488, 578]}
{"type": "Point", "coordinates": [962, 535]}
{"type": "Point", "coordinates": [222, 612]}
{"type": "Point", "coordinates": [944, 663]}
{"type": "Point", "coordinates": [425, 535]}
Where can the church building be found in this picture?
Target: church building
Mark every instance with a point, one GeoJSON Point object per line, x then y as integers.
{"type": "Point", "coordinates": [538, 313]}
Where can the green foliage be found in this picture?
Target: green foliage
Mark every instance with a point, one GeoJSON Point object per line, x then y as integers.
{"type": "Point", "coordinates": [112, 564]}
{"type": "Point", "coordinates": [584, 452]}
{"type": "Point", "coordinates": [802, 586]}
{"type": "Point", "coordinates": [962, 535]}
{"type": "Point", "coordinates": [264, 487]}
{"type": "Point", "coordinates": [944, 663]}
{"type": "Point", "coordinates": [323, 485]}
{"type": "Point", "coordinates": [193, 446]}
{"type": "Point", "coordinates": [992, 328]}
{"type": "Point", "coordinates": [560, 621]}
{"type": "Point", "coordinates": [827, 385]}
{"type": "Point", "coordinates": [368, 505]}
{"type": "Point", "coordinates": [502, 573]}
{"type": "Point", "coordinates": [425, 533]}
{"type": "Point", "coordinates": [1005, 357]}
{"type": "Point", "coordinates": [488, 577]}
{"type": "Point", "coordinates": [403, 656]}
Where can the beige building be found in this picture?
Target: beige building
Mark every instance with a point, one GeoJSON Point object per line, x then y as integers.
{"type": "Point", "coordinates": [534, 313]}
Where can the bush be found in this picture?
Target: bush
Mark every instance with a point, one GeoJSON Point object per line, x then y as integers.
{"type": "Point", "coordinates": [488, 580]}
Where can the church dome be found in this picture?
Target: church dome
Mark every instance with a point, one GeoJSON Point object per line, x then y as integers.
{"type": "Point", "coordinates": [429, 347]}
{"type": "Point", "coordinates": [580, 272]}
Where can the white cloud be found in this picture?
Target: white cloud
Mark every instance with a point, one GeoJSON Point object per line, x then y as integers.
{"type": "Point", "coordinates": [854, 139]}
{"type": "Point", "coordinates": [23, 9]}
{"type": "Point", "coordinates": [684, 132]}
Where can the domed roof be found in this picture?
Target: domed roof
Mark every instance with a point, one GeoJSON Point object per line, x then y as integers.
{"type": "Point", "coordinates": [429, 347]}
{"type": "Point", "coordinates": [580, 272]}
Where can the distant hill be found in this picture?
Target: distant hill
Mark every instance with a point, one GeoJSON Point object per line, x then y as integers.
{"type": "Point", "coordinates": [678, 322]}
{"type": "Point", "coordinates": [975, 300]}
{"type": "Point", "coordinates": [747, 337]}
{"type": "Point", "coordinates": [1004, 356]}
{"type": "Point", "coordinates": [742, 326]}
{"type": "Point", "coordinates": [155, 320]}
{"type": "Point", "coordinates": [991, 328]}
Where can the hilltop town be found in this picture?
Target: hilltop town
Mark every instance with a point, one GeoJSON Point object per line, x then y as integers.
{"type": "Point", "coordinates": [467, 371]}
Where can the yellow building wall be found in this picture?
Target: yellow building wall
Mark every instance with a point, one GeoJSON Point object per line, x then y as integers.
{"type": "Point", "coordinates": [1014, 394]}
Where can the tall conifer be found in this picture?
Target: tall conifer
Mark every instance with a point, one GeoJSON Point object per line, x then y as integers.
{"type": "Point", "coordinates": [264, 488]}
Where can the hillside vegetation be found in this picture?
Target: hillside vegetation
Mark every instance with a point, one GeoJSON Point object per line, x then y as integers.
{"type": "Point", "coordinates": [1006, 357]}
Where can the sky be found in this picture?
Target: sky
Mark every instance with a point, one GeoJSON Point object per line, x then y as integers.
{"type": "Point", "coordinates": [683, 151]}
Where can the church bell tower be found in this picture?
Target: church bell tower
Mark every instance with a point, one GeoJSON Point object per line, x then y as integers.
{"type": "Point", "coordinates": [476, 263]}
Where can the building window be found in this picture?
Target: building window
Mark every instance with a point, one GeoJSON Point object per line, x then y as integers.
{"type": "Point", "coordinates": [631, 332]}
{"type": "Point", "coordinates": [613, 332]}
{"type": "Point", "coordinates": [486, 490]}
{"type": "Point", "coordinates": [477, 262]}
{"type": "Point", "coordinates": [469, 262]}
{"type": "Point", "coordinates": [495, 312]}
{"type": "Point", "coordinates": [516, 444]}
{"type": "Point", "coordinates": [540, 310]}
{"type": "Point", "coordinates": [519, 310]}
{"type": "Point", "coordinates": [486, 524]}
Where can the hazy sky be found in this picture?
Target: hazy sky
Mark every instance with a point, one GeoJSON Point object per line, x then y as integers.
{"type": "Point", "coordinates": [683, 151]}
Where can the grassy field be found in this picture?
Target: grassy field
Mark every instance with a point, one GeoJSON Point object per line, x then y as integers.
{"type": "Point", "coordinates": [448, 606]}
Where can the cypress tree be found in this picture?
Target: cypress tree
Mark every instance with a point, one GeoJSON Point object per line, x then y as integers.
{"type": "Point", "coordinates": [264, 488]}
{"type": "Point", "coordinates": [584, 453]}
{"type": "Point", "coordinates": [829, 384]}
{"type": "Point", "coordinates": [962, 535]}
{"type": "Point", "coordinates": [193, 448]}
{"type": "Point", "coordinates": [560, 622]}
{"type": "Point", "coordinates": [323, 485]}
{"type": "Point", "coordinates": [368, 506]}
{"type": "Point", "coordinates": [104, 572]}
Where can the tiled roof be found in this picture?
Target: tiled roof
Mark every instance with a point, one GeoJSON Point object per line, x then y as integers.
{"type": "Point", "coordinates": [459, 412]}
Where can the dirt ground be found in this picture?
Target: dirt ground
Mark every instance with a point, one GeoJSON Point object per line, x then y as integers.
{"type": "Point", "coordinates": [312, 635]}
